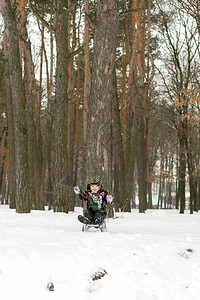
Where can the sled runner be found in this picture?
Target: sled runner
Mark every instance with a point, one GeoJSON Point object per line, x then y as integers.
{"type": "Point", "coordinates": [101, 226]}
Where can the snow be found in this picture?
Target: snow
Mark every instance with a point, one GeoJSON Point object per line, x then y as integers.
{"type": "Point", "coordinates": [154, 256]}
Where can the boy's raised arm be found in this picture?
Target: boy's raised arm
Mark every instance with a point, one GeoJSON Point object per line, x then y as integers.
{"type": "Point", "coordinates": [81, 195]}
{"type": "Point", "coordinates": [77, 190]}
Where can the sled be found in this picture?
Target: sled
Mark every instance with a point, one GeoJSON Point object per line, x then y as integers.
{"type": "Point", "coordinates": [101, 226]}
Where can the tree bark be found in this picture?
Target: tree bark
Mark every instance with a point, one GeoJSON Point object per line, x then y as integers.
{"type": "Point", "coordinates": [182, 135]}
{"type": "Point", "coordinates": [18, 98]}
{"type": "Point", "coordinates": [87, 72]}
{"type": "Point", "coordinates": [71, 109]}
{"type": "Point", "coordinates": [59, 157]}
{"type": "Point", "coordinates": [119, 161]}
{"type": "Point", "coordinates": [11, 131]}
{"type": "Point", "coordinates": [140, 98]}
{"type": "Point", "coordinates": [102, 92]}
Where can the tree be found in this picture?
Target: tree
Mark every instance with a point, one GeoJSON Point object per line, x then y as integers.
{"type": "Point", "coordinates": [59, 153]}
{"type": "Point", "coordinates": [102, 90]}
{"type": "Point", "coordinates": [11, 129]}
{"type": "Point", "coordinates": [141, 79]}
{"type": "Point", "coordinates": [33, 123]}
{"type": "Point", "coordinates": [18, 102]}
{"type": "Point", "coordinates": [181, 66]}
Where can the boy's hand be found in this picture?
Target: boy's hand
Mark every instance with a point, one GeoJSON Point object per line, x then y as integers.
{"type": "Point", "coordinates": [77, 190]}
{"type": "Point", "coordinates": [110, 199]}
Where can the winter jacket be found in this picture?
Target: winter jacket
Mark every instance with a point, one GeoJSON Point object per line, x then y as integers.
{"type": "Point", "coordinates": [95, 201]}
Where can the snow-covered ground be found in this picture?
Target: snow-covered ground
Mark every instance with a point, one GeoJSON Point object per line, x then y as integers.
{"type": "Point", "coordinates": [155, 255]}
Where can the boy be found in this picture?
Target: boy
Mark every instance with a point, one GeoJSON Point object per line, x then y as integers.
{"type": "Point", "coordinates": [97, 199]}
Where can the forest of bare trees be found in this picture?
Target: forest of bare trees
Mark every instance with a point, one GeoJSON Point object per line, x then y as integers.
{"type": "Point", "coordinates": [107, 88]}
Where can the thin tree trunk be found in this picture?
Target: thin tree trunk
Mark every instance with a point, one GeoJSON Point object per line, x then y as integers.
{"type": "Point", "coordinates": [149, 190]}
{"type": "Point", "coordinates": [4, 162]}
{"type": "Point", "coordinates": [198, 195]}
{"type": "Point", "coordinates": [77, 109]}
{"type": "Point", "coordinates": [71, 110]}
{"type": "Point", "coordinates": [87, 82]}
{"type": "Point", "coordinates": [182, 164]}
{"type": "Point", "coordinates": [119, 161]}
{"type": "Point", "coordinates": [191, 170]}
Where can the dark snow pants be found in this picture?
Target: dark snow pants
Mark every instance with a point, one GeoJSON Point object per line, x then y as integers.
{"type": "Point", "coordinates": [95, 217]}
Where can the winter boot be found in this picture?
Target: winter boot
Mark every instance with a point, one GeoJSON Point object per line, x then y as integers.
{"type": "Point", "coordinates": [98, 220]}
{"type": "Point", "coordinates": [83, 220]}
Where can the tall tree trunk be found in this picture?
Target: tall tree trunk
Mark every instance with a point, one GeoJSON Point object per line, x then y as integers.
{"type": "Point", "coordinates": [149, 191]}
{"type": "Point", "coordinates": [11, 131]}
{"type": "Point", "coordinates": [177, 193]}
{"type": "Point", "coordinates": [71, 110]}
{"type": "Point", "coordinates": [140, 99]}
{"type": "Point", "coordinates": [87, 72]}
{"type": "Point", "coordinates": [182, 135]}
{"type": "Point", "coordinates": [119, 161]}
{"type": "Point", "coordinates": [86, 92]}
{"type": "Point", "coordinates": [18, 98]}
{"type": "Point", "coordinates": [59, 155]}
{"type": "Point", "coordinates": [34, 154]}
{"type": "Point", "coordinates": [102, 92]}
{"type": "Point", "coordinates": [191, 171]}
{"type": "Point", "coordinates": [182, 177]}
{"type": "Point", "coordinates": [198, 195]}
{"type": "Point", "coordinates": [4, 164]}
{"type": "Point", "coordinates": [47, 153]}
{"type": "Point", "coordinates": [77, 111]}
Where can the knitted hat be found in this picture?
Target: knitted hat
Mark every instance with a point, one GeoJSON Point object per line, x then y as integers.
{"type": "Point", "coordinates": [95, 181]}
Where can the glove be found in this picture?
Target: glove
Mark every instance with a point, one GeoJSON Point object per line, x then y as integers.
{"type": "Point", "coordinates": [110, 199]}
{"type": "Point", "coordinates": [77, 190]}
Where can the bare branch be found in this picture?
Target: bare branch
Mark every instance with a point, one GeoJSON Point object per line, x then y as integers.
{"type": "Point", "coordinates": [92, 25]}
{"type": "Point", "coordinates": [126, 13]}
{"type": "Point", "coordinates": [38, 16]}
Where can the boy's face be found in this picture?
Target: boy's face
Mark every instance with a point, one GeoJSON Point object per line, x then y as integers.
{"type": "Point", "coordinates": [94, 188]}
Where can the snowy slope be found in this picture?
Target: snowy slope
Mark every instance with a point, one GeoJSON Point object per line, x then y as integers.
{"type": "Point", "coordinates": [145, 256]}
